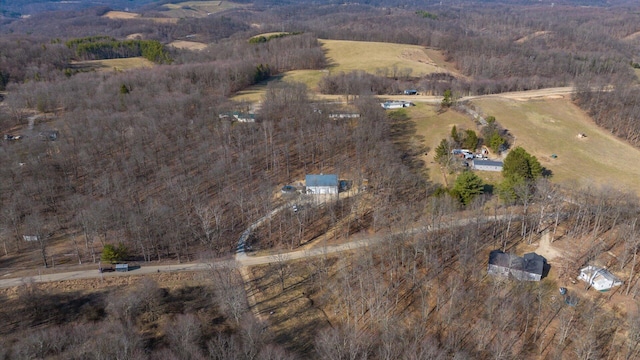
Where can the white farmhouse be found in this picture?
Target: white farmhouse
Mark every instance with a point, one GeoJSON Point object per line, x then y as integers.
{"type": "Point", "coordinates": [321, 184]}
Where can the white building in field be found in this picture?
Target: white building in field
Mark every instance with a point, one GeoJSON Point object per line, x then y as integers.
{"type": "Point", "coordinates": [389, 105]}
{"type": "Point", "coordinates": [322, 184]}
{"type": "Point", "coordinates": [599, 278]}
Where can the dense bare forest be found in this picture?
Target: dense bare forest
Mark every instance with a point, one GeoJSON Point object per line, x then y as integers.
{"type": "Point", "coordinates": [143, 159]}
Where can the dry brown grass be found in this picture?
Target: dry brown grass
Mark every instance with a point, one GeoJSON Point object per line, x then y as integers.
{"type": "Point", "coordinates": [121, 15]}
{"type": "Point", "coordinates": [113, 64]}
{"type": "Point", "coordinates": [188, 45]}
{"type": "Point", "coordinates": [632, 36]}
{"type": "Point", "coordinates": [551, 126]}
{"type": "Point", "coordinates": [197, 8]}
{"type": "Point", "coordinates": [372, 57]}
{"type": "Point", "coordinates": [345, 55]}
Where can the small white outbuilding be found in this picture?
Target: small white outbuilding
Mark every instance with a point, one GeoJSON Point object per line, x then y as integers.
{"type": "Point", "coordinates": [599, 278]}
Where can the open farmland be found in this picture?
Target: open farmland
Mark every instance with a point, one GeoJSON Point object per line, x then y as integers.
{"type": "Point", "coordinates": [125, 15]}
{"type": "Point", "coordinates": [188, 45]}
{"type": "Point", "coordinates": [121, 15]}
{"type": "Point", "coordinates": [372, 57]}
{"type": "Point", "coordinates": [113, 64]}
{"type": "Point", "coordinates": [197, 8]}
{"type": "Point", "coordinates": [551, 126]}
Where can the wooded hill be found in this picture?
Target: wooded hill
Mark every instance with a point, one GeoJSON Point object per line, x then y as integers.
{"type": "Point", "coordinates": [144, 161]}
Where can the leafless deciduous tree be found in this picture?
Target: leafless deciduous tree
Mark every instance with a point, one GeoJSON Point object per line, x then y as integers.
{"type": "Point", "coordinates": [229, 292]}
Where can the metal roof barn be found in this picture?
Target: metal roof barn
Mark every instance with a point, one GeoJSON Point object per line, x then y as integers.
{"type": "Point", "coordinates": [322, 184]}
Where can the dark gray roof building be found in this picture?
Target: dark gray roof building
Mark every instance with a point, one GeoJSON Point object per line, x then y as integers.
{"type": "Point", "coordinates": [530, 267]}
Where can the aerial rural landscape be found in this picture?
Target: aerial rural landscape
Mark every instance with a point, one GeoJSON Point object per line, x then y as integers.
{"type": "Point", "coordinates": [279, 179]}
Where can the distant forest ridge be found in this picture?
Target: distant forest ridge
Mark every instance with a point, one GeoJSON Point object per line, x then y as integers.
{"type": "Point", "coordinates": [17, 8]}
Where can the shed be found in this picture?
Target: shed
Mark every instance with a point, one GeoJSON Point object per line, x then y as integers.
{"type": "Point", "coordinates": [387, 105]}
{"type": "Point", "coordinates": [530, 267]}
{"type": "Point", "coordinates": [322, 184]}
{"type": "Point", "coordinates": [486, 165]}
{"type": "Point", "coordinates": [599, 278]}
{"type": "Point", "coordinates": [122, 267]}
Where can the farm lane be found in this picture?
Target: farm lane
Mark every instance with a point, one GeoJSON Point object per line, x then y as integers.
{"type": "Point", "coordinates": [92, 274]}
{"type": "Point", "coordinates": [515, 95]}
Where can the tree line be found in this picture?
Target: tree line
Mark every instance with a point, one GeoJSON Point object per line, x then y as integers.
{"type": "Point", "coordinates": [98, 48]}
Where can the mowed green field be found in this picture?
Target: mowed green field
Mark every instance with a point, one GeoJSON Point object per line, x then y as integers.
{"type": "Point", "coordinates": [551, 126]}
{"type": "Point", "coordinates": [346, 56]}
{"type": "Point", "coordinates": [113, 64]}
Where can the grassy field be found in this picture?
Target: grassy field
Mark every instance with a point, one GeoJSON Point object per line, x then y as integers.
{"type": "Point", "coordinates": [113, 64]}
{"type": "Point", "coordinates": [124, 15]}
{"type": "Point", "coordinates": [189, 45]}
{"type": "Point", "coordinates": [546, 127]}
{"type": "Point", "coordinates": [345, 56]}
{"type": "Point", "coordinates": [121, 15]}
{"type": "Point", "coordinates": [433, 127]}
{"type": "Point", "coordinates": [197, 8]}
{"type": "Point", "coordinates": [371, 57]}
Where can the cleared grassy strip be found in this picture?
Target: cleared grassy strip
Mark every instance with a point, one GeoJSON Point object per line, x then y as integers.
{"type": "Point", "coordinates": [189, 45]}
{"type": "Point", "coordinates": [256, 92]}
{"type": "Point", "coordinates": [348, 56]}
{"type": "Point", "coordinates": [121, 15]}
{"type": "Point", "coordinates": [546, 127]}
{"type": "Point", "coordinates": [113, 64]}
{"type": "Point", "coordinates": [198, 8]}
